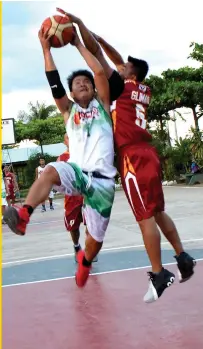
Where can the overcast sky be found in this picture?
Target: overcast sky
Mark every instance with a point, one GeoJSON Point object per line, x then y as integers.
{"type": "Point", "coordinates": [158, 31]}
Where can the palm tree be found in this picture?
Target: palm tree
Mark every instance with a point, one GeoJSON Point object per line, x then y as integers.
{"type": "Point", "coordinates": [38, 111]}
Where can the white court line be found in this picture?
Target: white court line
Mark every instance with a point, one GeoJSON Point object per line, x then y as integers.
{"type": "Point", "coordinates": [47, 222]}
{"type": "Point", "coordinates": [103, 250]}
{"type": "Point", "coordinates": [179, 187]}
{"type": "Point", "coordinates": [93, 274]}
{"type": "Point", "coordinates": [192, 187]}
{"type": "Point", "coordinates": [114, 214]}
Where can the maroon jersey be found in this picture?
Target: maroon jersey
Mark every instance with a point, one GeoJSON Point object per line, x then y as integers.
{"type": "Point", "coordinates": [129, 115]}
{"type": "Point", "coordinates": [10, 180]}
{"type": "Point", "coordinates": [64, 157]}
{"type": "Point", "coordinates": [71, 203]}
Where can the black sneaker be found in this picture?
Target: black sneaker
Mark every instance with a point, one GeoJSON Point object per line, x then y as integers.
{"type": "Point", "coordinates": [186, 266]}
{"type": "Point", "coordinates": [51, 207]}
{"type": "Point", "coordinates": [157, 284]}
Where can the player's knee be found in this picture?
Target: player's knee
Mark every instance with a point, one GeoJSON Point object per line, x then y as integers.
{"type": "Point", "coordinates": [97, 236]}
{"type": "Point", "coordinates": [51, 175]}
{"type": "Point", "coordinates": [159, 216]}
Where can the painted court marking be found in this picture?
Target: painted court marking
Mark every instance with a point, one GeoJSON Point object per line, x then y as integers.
{"type": "Point", "coordinates": [103, 250]}
{"type": "Point", "coordinates": [114, 214]}
{"type": "Point", "coordinates": [93, 274]}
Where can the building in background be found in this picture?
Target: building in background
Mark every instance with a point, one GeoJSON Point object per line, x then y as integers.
{"type": "Point", "coordinates": [19, 157]}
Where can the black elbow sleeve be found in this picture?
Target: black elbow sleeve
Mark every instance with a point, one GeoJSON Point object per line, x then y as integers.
{"type": "Point", "coordinates": [116, 85]}
{"type": "Point", "coordinates": [57, 89]}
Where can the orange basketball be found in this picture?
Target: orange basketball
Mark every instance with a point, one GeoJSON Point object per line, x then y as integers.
{"type": "Point", "coordinates": [60, 28]}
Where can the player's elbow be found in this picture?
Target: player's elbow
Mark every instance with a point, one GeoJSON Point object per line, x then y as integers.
{"type": "Point", "coordinates": [99, 72]}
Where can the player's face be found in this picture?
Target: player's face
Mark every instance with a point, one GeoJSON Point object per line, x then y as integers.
{"type": "Point", "coordinates": [6, 169]}
{"type": "Point", "coordinates": [128, 71]}
{"type": "Point", "coordinates": [82, 89]}
{"type": "Point", "coordinates": [42, 162]}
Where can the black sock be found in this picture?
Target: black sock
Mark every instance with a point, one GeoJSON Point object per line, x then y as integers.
{"type": "Point", "coordinates": [29, 209]}
{"type": "Point", "coordinates": [86, 263]}
{"type": "Point", "coordinates": [77, 248]}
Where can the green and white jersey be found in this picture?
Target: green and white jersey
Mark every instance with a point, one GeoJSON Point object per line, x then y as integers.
{"type": "Point", "coordinates": [91, 142]}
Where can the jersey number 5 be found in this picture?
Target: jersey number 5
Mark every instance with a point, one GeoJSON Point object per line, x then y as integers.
{"type": "Point", "coordinates": [140, 116]}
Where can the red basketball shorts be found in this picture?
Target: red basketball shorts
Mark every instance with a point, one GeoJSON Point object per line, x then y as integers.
{"type": "Point", "coordinates": [11, 194]}
{"type": "Point", "coordinates": [140, 171]}
{"type": "Point", "coordinates": [73, 212]}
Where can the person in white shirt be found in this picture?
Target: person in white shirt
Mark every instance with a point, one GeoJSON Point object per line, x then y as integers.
{"type": "Point", "coordinates": [38, 171]}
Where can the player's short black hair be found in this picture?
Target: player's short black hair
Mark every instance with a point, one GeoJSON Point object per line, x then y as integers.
{"type": "Point", "coordinates": [80, 72]}
{"type": "Point", "coordinates": [41, 157]}
{"type": "Point", "coordinates": [141, 67]}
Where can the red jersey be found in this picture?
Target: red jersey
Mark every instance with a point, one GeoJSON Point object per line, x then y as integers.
{"type": "Point", "coordinates": [71, 202]}
{"type": "Point", "coordinates": [9, 176]}
{"type": "Point", "coordinates": [129, 115]}
{"type": "Point", "coordinates": [64, 157]}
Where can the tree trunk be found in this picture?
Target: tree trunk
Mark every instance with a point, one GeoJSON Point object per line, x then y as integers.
{"type": "Point", "coordinates": [161, 123]}
{"type": "Point", "coordinates": [195, 118]}
{"type": "Point", "coordinates": [168, 134]}
{"type": "Point", "coordinates": [41, 146]}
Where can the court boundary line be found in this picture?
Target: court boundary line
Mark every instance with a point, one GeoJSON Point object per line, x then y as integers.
{"type": "Point", "coordinates": [38, 259]}
{"type": "Point", "coordinates": [114, 214]}
{"type": "Point", "coordinates": [93, 274]}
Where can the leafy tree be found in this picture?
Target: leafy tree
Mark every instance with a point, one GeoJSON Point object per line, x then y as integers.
{"type": "Point", "coordinates": [196, 146]}
{"type": "Point", "coordinates": [182, 152]}
{"type": "Point", "coordinates": [159, 107]}
{"type": "Point", "coordinates": [32, 163]}
{"type": "Point", "coordinates": [38, 112]}
{"type": "Point", "coordinates": [197, 52]}
{"type": "Point", "coordinates": [185, 89]}
{"type": "Point", "coordinates": [49, 131]}
{"type": "Point", "coordinates": [184, 74]}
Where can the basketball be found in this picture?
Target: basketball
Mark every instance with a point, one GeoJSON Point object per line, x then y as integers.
{"type": "Point", "coordinates": [60, 28]}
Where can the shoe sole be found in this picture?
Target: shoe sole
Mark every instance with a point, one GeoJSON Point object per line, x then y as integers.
{"type": "Point", "coordinates": [12, 219]}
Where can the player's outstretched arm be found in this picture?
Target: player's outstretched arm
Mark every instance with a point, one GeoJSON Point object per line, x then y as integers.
{"type": "Point", "coordinates": [61, 99]}
{"type": "Point", "coordinates": [90, 42]}
{"type": "Point", "coordinates": [100, 78]}
{"type": "Point", "coordinates": [110, 51]}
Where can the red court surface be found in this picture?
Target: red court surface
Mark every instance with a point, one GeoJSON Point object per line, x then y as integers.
{"type": "Point", "coordinates": [107, 314]}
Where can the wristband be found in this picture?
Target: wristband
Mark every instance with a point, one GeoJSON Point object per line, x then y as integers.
{"type": "Point", "coordinates": [55, 83]}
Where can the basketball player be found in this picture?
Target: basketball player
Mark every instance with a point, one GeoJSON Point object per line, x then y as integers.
{"type": "Point", "coordinates": [11, 185]}
{"type": "Point", "coordinates": [139, 164]}
{"type": "Point", "coordinates": [38, 171]}
{"type": "Point", "coordinates": [90, 171]}
{"type": "Point", "coordinates": [73, 205]}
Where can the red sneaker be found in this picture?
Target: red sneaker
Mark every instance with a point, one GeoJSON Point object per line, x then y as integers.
{"type": "Point", "coordinates": [17, 219]}
{"type": "Point", "coordinates": [83, 272]}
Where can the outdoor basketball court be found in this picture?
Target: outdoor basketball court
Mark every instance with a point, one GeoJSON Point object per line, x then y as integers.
{"type": "Point", "coordinates": [43, 308]}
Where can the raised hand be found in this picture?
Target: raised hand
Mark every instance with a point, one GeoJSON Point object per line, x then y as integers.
{"type": "Point", "coordinates": [76, 40]}
{"type": "Point", "coordinates": [72, 18]}
{"type": "Point", "coordinates": [44, 39]}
